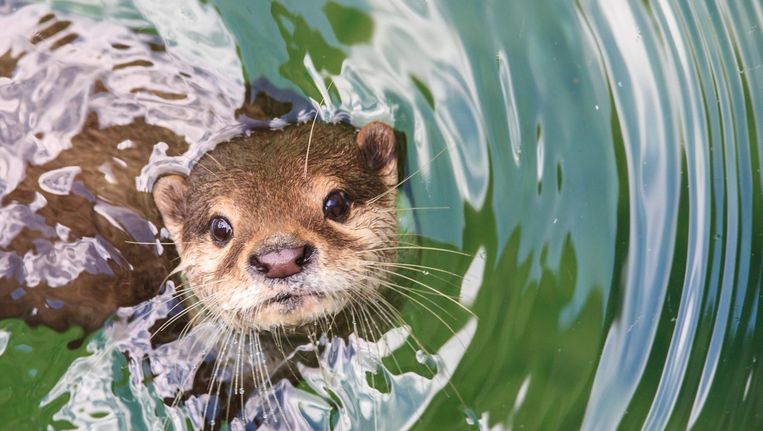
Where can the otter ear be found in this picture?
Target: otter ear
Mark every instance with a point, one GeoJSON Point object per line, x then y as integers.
{"type": "Point", "coordinates": [377, 143]}
{"type": "Point", "coordinates": [169, 196]}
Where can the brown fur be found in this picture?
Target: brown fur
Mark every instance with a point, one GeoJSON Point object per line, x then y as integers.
{"type": "Point", "coordinates": [91, 298]}
{"type": "Point", "coordinates": [135, 271]}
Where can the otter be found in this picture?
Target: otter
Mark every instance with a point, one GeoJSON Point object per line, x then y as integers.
{"type": "Point", "coordinates": [262, 241]}
{"type": "Point", "coordinates": [274, 229]}
{"type": "Point", "coordinates": [264, 238]}
{"type": "Point", "coordinates": [281, 228]}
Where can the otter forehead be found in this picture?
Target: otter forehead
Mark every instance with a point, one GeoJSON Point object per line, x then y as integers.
{"type": "Point", "coordinates": [280, 155]}
{"type": "Point", "coordinates": [274, 161]}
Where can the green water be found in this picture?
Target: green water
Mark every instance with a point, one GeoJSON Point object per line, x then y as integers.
{"type": "Point", "coordinates": [603, 157]}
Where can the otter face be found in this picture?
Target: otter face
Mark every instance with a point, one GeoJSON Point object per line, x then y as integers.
{"type": "Point", "coordinates": [268, 240]}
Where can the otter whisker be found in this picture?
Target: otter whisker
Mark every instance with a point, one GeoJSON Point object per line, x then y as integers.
{"type": "Point", "coordinates": [255, 356]}
{"type": "Point", "coordinates": [371, 325]}
{"type": "Point", "coordinates": [177, 316]}
{"type": "Point", "coordinates": [279, 332]}
{"type": "Point", "coordinates": [174, 318]}
{"type": "Point", "coordinates": [421, 348]}
{"type": "Point", "coordinates": [415, 267]}
{"type": "Point", "coordinates": [181, 291]}
{"type": "Point", "coordinates": [437, 316]}
{"type": "Point", "coordinates": [365, 323]}
{"type": "Point", "coordinates": [174, 271]}
{"type": "Point", "coordinates": [387, 308]}
{"type": "Point", "coordinates": [191, 323]}
{"type": "Point", "coordinates": [216, 376]}
{"type": "Point", "coordinates": [259, 354]}
{"type": "Point", "coordinates": [312, 126]}
{"type": "Point", "coordinates": [207, 169]}
{"type": "Point", "coordinates": [389, 322]}
{"type": "Point", "coordinates": [418, 171]}
{"type": "Point", "coordinates": [354, 319]}
{"type": "Point", "coordinates": [444, 250]}
{"type": "Point", "coordinates": [387, 312]}
{"type": "Point", "coordinates": [178, 295]}
{"type": "Point", "coordinates": [430, 288]}
{"type": "Point", "coordinates": [192, 373]}
{"type": "Point", "coordinates": [314, 342]}
{"type": "Point", "coordinates": [418, 209]}
{"type": "Point", "coordinates": [426, 272]}
{"type": "Point", "coordinates": [381, 304]}
{"type": "Point", "coordinates": [431, 291]}
{"type": "Point", "coordinates": [309, 142]}
{"type": "Point", "coordinates": [268, 384]}
{"type": "Point", "coordinates": [278, 342]}
{"type": "Point", "coordinates": [411, 243]}
{"type": "Point", "coordinates": [208, 154]}
{"type": "Point", "coordinates": [241, 351]}
{"type": "Point", "coordinates": [392, 355]}
{"type": "Point", "coordinates": [148, 243]}
{"type": "Point", "coordinates": [419, 345]}
{"type": "Point", "coordinates": [222, 361]}
{"type": "Point", "coordinates": [233, 388]}
{"type": "Point", "coordinates": [178, 268]}
{"type": "Point", "coordinates": [407, 292]}
{"type": "Point", "coordinates": [333, 319]}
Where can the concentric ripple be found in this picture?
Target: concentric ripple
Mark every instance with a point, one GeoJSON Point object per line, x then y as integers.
{"type": "Point", "coordinates": [687, 110]}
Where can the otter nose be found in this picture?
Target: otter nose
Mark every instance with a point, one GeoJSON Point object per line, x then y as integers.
{"type": "Point", "coordinates": [283, 262]}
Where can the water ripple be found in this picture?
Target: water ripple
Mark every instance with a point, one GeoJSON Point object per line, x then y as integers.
{"type": "Point", "coordinates": [687, 96]}
{"type": "Point", "coordinates": [603, 164]}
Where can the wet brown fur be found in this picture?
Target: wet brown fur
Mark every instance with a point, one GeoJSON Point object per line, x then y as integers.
{"type": "Point", "coordinates": [91, 298]}
{"type": "Point", "coordinates": [138, 271]}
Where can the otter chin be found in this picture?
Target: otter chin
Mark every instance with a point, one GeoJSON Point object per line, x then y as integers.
{"type": "Point", "coordinates": [278, 229]}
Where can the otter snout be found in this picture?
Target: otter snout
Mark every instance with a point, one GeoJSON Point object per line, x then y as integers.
{"type": "Point", "coordinates": [282, 262]}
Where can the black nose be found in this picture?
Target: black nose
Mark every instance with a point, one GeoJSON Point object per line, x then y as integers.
{"type": "Point", "coordinates": [283, 262]}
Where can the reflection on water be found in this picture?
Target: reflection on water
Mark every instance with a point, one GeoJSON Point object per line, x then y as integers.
{"type": "Point", "coordinates": [602, 165]}
{"type": "Point", "coordinates": [682, 93]}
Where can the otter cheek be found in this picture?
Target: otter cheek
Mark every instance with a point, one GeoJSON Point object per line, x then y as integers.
{"type": "Point", "coordinates": [201, 264]}
{"type": "Point", "coordinates": [244, 297]}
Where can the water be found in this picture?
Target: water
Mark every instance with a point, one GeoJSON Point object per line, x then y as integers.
{"type": "Point", "coordinates": [601, 168]}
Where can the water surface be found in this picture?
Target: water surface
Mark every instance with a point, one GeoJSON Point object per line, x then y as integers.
{"type": "Point", "coordinates": [601, 169]}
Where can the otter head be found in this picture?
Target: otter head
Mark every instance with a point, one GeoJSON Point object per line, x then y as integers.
{"type": "Point", "coordinates": [268, 239]}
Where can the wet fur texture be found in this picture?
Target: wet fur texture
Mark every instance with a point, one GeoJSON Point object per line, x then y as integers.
{"type": "Point", "coordinates": [136, 270]}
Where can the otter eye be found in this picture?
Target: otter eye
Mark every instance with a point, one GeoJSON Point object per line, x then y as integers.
{"type": "Point", "coordinates": [336, 205]}
{"type": "Point", "coordinates": [220, 230]}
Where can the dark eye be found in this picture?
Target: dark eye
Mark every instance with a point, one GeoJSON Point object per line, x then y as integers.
{"type": "Point", "coordinates": [220, 230]}
{"type": "Point", "coordinates": [336, 206]}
